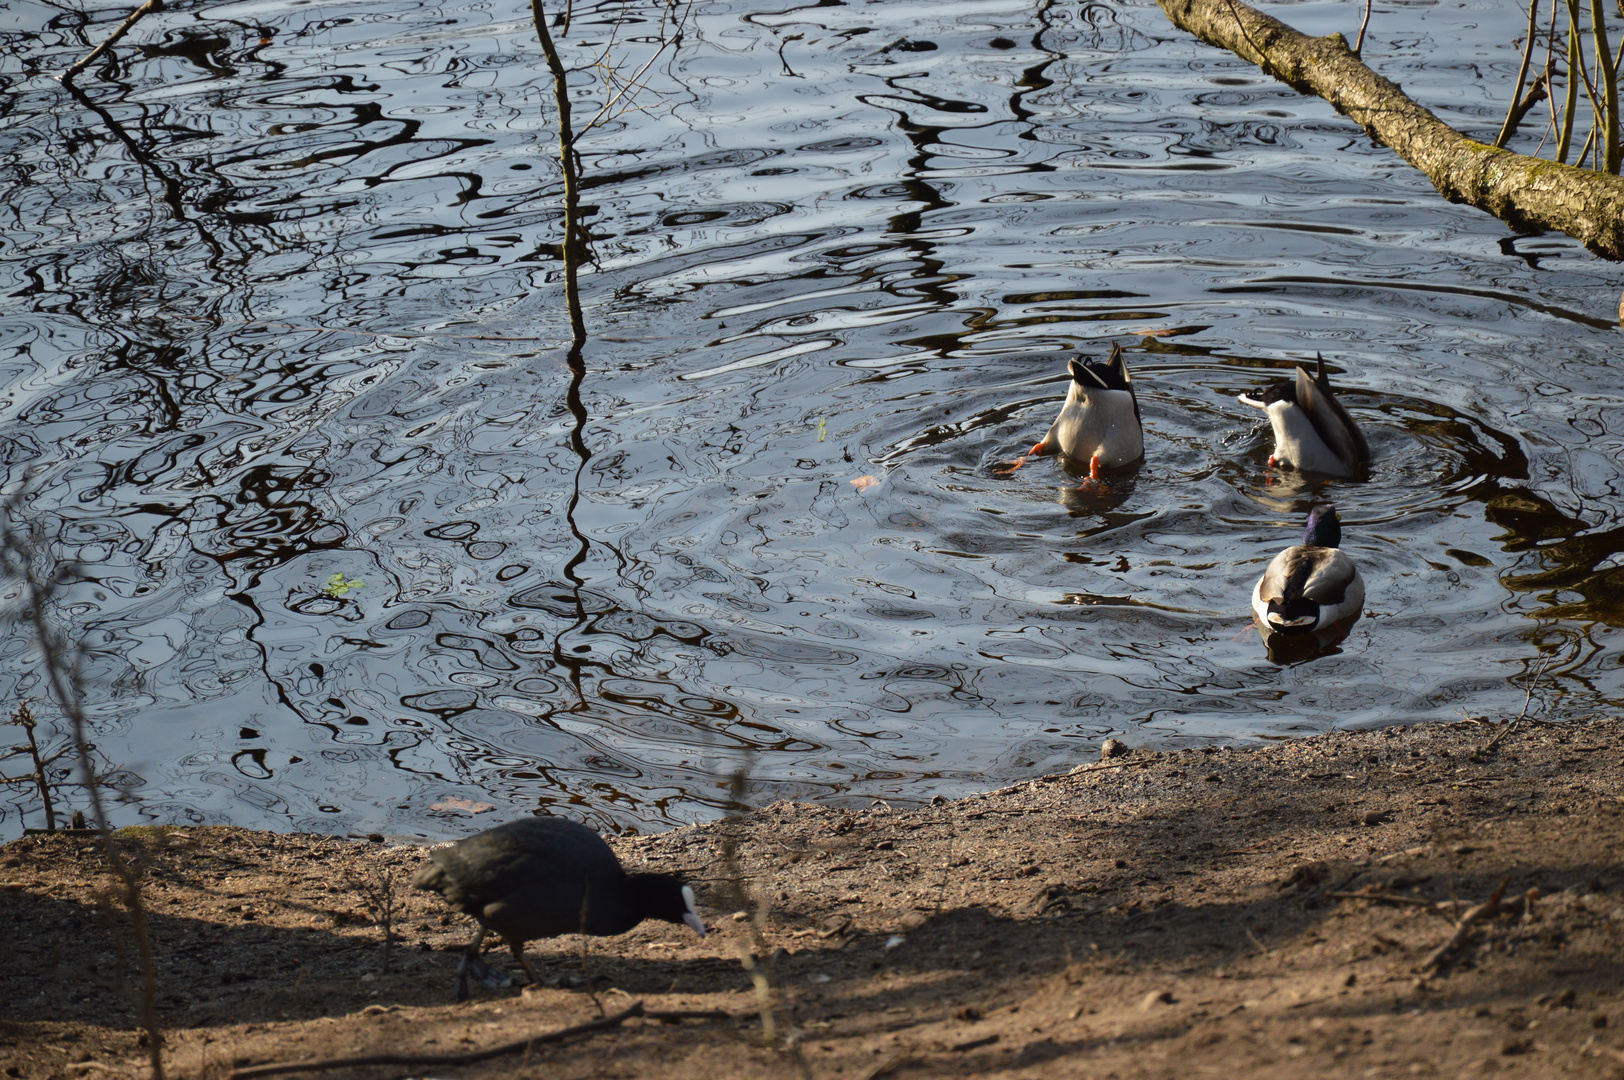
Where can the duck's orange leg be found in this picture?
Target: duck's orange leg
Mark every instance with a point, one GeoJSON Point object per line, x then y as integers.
{"type": "Point", "coordinates": [1004, 468]}
{"type": "Point", "coordinates": [1095, 482]}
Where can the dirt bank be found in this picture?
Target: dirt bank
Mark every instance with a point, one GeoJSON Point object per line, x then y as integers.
{"type": "Point", "coordinates": [1168, 915]}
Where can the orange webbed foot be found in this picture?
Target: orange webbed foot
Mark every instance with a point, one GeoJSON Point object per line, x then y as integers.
{"type": "Point", "coordinates": [1004, 468]}
{"type": "Point", "coordinates": [1096, 484]}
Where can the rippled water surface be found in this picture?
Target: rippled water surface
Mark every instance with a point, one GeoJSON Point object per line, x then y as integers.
{"type": "Point", "coordinates": [282, 300]}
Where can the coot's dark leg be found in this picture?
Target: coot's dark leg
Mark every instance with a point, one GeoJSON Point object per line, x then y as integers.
{"type": "Point", "coordinates": [524, 961]}
{"type": "Point", "coordinates": [470, 957]}
{"type": "Point", "coordinates": [472, 967]}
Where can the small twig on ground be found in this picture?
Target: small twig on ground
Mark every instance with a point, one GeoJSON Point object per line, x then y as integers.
{"type": "Point", "coordinates": [755, 953]}
{"type": "Point", "coordinates": [1463, 928]}
{"type": "Point", "coordinates": [1079, 770]}
{"type": "Point", "coordinates": [1528, 696]}
{"type": "Point", "coordinates": [1528, 686]}
{"type": "Point", "coordinates": [1449, 909]}
{"type": "Point", "coordinates": [472, 1056]}
{"type": "Point", "coordinates": [889, 1065]}
{"type": "Point", "coordinates": [378, 895]}
{"type": "Point", "coordinates": [124, 28]}
{"type": "Point", "coordinates": [1384, 898]}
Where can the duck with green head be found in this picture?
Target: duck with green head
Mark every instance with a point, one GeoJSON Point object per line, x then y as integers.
{"type": "Point", "coordinates": [1312, 585]}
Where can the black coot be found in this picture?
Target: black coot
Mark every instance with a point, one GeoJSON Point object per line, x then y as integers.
{"type": "Point", "coordinates": [541, 877]}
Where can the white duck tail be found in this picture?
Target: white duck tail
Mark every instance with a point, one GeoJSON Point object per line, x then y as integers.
{"type": "Point", "coordinates": [1099, 424]}
{"type": "Point", "coordinates": [1312, 431]}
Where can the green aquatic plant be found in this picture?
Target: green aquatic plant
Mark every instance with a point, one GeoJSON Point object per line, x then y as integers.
{"type": "Point", "coordinates": [338, 585]}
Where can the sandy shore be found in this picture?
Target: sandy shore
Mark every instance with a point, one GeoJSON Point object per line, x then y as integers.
{"type": "Point", "coordinates": [1276, 911]}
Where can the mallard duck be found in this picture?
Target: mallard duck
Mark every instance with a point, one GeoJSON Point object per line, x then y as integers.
{"type": "Point", "coordinates": [1311, 586]}
{"type": "Point", "coordinates": [539, 877]}
{"type": "Point", "coordinates": [1099, 422]}
{"type": "Point", "coordinates": [1312, 431]}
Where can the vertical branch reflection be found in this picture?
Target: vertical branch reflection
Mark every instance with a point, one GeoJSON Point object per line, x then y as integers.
{"type": "Point", "coordinates": [171, 185]}
{"type": "Point", "coordinates": [571, 249]}
{"type": "Point", "coordinates": [573, 664]}
{"type": "Point", "coordinates": [574, 249]}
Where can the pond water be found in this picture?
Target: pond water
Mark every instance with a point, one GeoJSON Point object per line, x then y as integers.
{"type": "Point", "coordinates": [282, 302]}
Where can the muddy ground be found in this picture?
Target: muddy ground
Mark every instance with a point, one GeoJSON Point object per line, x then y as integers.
{"type": "Point", "coordinates": [1161, 915]}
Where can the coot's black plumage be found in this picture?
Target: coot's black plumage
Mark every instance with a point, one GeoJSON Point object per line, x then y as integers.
{"type": "Point", "coordinates": [544, 876]}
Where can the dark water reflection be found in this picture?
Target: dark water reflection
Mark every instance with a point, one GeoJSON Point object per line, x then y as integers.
{"type": "Point", "coordinates": [282, 302]}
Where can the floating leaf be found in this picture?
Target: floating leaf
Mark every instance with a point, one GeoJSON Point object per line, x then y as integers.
{"type": "Point", "coordinates": [863, 483]}
{"type": "Point", "coordinates": [338, 585]}
{"type": "Point", "coordinates": [463, 804]}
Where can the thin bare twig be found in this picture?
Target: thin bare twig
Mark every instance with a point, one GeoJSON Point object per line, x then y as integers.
{"type": "Point", "coordinates": [20, 548]}
{"type": "Point", "coordinates": [1358, 46]}
{"type": "Point", "coordinates": [124, 28]}
{"type": "Point", "coordinates": [378, 891]}
{"type": "Point", "coordinates": [1607, 76]}
{"type": "Point", "coordinates": [1570, 102]}
{"type": "Point", "coordinates": [1463, 928]}
{"type": "Point", "coordinates": [1262, 60]}
{"type": "Point", "coordinates": [1528, 696]}
{"type": "Point", "coordinates": [572, 187]}
{"type": "Point", "coordinates": [1537, 92]}
{"type": "Point", "coordinates": [24, 718]}
{"type": "Point", "coordinates": [1514, 113]}
{"type": "Point", "coordinates": [755, 953]}
{"type": "Point", "coordinates": [631, 84]}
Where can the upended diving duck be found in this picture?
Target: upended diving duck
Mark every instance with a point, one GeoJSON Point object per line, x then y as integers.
{"type": "Point", "coordinates": [1312, 586]}
{"type": "Point", "coordinates": [1099, 423]}
{"type": "Point", "coordinates": [1312, 431]}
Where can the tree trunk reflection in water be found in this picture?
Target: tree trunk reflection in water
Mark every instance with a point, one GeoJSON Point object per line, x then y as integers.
{"type": "Point", "coordinates": [574, 250]}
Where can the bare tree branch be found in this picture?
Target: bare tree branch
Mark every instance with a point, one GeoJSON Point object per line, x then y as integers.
{"type": "Point", "coordinates": [124, 28]}
{"type": "Point", "coordinates": [1525, 192]}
